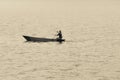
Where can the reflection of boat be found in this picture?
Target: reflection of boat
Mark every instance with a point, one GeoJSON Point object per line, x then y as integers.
{"type": "Point", "coordinates": [35, 39]}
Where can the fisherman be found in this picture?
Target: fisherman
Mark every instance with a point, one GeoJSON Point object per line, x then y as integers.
{"type": "Point", "coordinates": [59, 34]}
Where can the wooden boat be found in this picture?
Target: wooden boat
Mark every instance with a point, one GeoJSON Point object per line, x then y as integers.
{"type": "Point", "coordinates": [36, 39]}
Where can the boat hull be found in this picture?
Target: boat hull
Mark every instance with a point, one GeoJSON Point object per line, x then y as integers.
{"type": "Point", "coordinates": [35, 39]}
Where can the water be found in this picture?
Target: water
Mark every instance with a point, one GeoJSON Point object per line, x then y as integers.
{"type": "Point", "coordinates": [91, 50]}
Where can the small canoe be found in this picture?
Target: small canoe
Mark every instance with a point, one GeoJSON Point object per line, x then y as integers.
{"type": "Point", "coordinates": [36, 39]}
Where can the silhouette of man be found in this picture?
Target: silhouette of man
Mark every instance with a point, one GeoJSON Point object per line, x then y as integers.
{"type": "Point", "coordinates": [59, 35]}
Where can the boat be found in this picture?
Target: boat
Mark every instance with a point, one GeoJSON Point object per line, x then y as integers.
{"type": "Point", "coordinates": [36, 39]}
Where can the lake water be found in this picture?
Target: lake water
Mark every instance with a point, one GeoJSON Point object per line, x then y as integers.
{"type": "Point", "coordinates": [91, 50]}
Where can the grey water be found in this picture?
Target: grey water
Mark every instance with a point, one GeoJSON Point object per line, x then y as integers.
{"type": "Point", "coordinates": [90, 52]}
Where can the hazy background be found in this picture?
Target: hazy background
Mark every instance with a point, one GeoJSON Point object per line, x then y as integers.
{"type": "Point", "coordinates": [91, 29]}
{"type": "Point", "coordinates": [60, 8]}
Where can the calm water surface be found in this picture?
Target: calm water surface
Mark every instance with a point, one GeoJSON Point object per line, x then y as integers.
{"type": "Point", "coordinates": [91, 50]}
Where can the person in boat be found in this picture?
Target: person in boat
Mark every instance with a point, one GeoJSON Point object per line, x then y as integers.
{"type": "Point", "coordinates": [59, 35]}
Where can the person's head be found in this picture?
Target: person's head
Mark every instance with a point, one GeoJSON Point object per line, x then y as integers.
{"type": "Point", "coordinates": [60, 31]}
